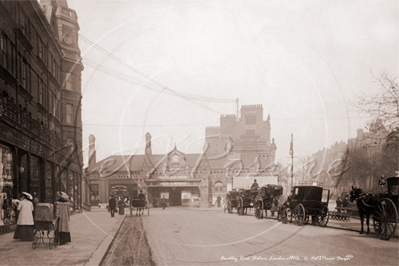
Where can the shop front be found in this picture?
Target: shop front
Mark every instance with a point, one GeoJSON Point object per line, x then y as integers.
{"type": "Point", "coordinates": [176, 192]}
{"type": "Point", "coordinates": [7, 210]}
{"type": "Point", "coordinates": [29, 166]}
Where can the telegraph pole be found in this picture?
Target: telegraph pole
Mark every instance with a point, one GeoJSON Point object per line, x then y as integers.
{"type": "Point", "coordinates": [292, 160]}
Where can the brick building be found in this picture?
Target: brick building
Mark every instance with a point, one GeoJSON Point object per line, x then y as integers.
{"type": "Point", "coordinates": [40, 102]}
{"type": "Point", "coordinates": [234, 154]}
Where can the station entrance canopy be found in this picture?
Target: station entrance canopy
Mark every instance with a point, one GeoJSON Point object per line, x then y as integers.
{"type": "Point", "coordinates": [246, 182]}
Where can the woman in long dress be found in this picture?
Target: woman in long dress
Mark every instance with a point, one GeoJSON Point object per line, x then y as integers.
{"type": "Point", "coordinates": [62, 216]}
{"type": "Point", "coordinates": [121, 205]}
{"type": "Point", "coordinates": [25, 224]}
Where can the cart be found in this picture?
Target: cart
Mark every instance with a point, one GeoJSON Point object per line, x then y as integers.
{"type": "Point", "coordinates": [306, 202]}
{"type": "Point", "coordinates": [245, 200]}
{"type": "Point", "coordinates": [385, 216]}
{"type": "Point", "coordinates": [44, 225]}
{"type": "Point", "coordinates": [140, 204]}
{"type": "Point", "coordinates": [231, 203]}
{"type": "Point", "coordinates": [265, 198]}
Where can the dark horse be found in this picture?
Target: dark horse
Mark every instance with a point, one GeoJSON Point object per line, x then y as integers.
{"type": "Point", "coordinates": [139, 204]}
{"type": "Point", "coordinates": [366, 204]}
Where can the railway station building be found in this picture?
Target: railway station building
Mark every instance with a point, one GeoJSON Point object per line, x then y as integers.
{"type": "Point", "coordinates": [234, 154]}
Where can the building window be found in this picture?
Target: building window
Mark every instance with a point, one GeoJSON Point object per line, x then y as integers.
{"type": "Point", "coordinates": [2, 43]}
{"type": "Point", "coordinates": [69, 113]}
{"type": "Point", "coordinates": [40, 47]}
{"type": "Point", "coordinates": [57, 109]}
{"type": "Point", "coordinates": [40, 91]}
{"type": "Point", "coordinates": [2, 50]}
{"type": "Point", "coordinates": [35, 177]}
{"type": "Point", "coordinates": [234, 156]}
{"type": "Point", "coordinates": [69, 82]}
{"type": "Point", "coordinates": [250, 119]}
{"type": "Point", "coordinates": [53, 104]}
{"type": "Point", "coordinates": [218, 187]}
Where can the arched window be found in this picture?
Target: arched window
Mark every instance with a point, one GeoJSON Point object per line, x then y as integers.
{"type": "Point", "coordinates": [218, 187]}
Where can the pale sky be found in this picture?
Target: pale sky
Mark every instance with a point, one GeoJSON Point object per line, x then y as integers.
{"type": "Point", "coordinates": [306, 62]}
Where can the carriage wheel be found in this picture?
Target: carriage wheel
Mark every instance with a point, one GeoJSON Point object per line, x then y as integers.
{"type": "Point", "coordinates": [299, 214]}
{"type": "Point", "coordinates": [385, 219]}
{"type": "Point", "coordinates": [323, 217]}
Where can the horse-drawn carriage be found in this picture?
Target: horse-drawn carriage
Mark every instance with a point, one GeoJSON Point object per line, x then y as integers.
{"type": "Point", "coordinates": [306, 202]}
{"type": "Point", "coordinates": [245, 200]}
{"type": "Point", "coordinates": [231, 201]}
{"type": "Point", "coordinates": [383, 207]}
{"type": "Point", "coordinates": [385, 217]}
{"type": "Point", "coordinates": [265, 198]}
{"type": "Point", "coordinates": [140, 205]}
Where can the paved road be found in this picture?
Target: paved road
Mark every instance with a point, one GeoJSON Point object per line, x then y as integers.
{"type": "Point", "coordinates": [182, 236]}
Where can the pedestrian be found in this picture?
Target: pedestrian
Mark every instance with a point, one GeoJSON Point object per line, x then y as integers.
{"type": "Point", "coordinates": [112, 205]}
{"type": "Point", "coordinates": [25, 225]}
{"type": "Point", "coordinates": [35, 200]}
{"type": "Point", "coordinates": [339, 202]}
{"type": "Point", "coordinates": [345, 202]}
{"type": "Point", "coordinates": [121, 206]}
{"type": "Point", "coordinates": [218, 201]}
{"type": "Point", "coordinates": [63, 232]}
{"type": "Point", "coordinates": [163, 200]}
{"type": "Point", "coordinates": [154, 202]}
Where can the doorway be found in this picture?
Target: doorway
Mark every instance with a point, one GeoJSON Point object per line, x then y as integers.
{"type": "Point", "coordinates": [175, 197]}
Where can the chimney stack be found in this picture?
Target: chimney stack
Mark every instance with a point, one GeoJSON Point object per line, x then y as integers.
{"type": "Point", "coordinates": [92, 150]}
{"type": "Point", "coordinates": [148, 150]}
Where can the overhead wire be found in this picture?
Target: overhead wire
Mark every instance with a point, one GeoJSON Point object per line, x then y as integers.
{"type": "Point", "coordinates": [173, 92]}
{"type": "Point", "coordinates": [108, 71]}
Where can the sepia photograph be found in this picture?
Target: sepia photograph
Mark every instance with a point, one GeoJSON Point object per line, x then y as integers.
{"type": "Point", "coordinates": [199, 132]}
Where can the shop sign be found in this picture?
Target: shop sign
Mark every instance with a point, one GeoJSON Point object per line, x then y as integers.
{"type": "Point", "coordinates": [120, 177]}
{"type": "Point", "coordinates": [173, 177]}
{"type": "Point", "coordinates": [6, 134]}
{"type": "Point", "coordinates": [172, 184]}
{"type": "Point", "coordinates": [22, 141]}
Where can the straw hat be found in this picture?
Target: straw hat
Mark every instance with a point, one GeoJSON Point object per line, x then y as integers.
{"type": "Point", "coordinates": [62, 196]}
{"type": "Point", "coordinates": [27, 195]}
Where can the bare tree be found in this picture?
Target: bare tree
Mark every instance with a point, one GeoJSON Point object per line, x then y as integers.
{"type": "Point", "coordinates": [384, 107]}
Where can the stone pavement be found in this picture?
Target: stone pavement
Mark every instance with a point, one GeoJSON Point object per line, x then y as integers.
{"type": "Point", "coordinates": [91, 234]}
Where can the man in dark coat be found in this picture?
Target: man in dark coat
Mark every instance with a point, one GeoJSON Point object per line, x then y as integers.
{"type": "Point", "coordinates": [254, 186]}
{"type": "Point", "coordinates": [141, 195]}
{"type": "Point", "coordinates": [345, 201]}
{"type": "Point", "coordinates": [112, 205]}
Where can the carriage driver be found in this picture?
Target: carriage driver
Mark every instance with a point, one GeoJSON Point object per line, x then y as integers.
{"type": "Point", "coordinates": [255, 186]}
{"type": "Point", "coordinates": [141, 195]}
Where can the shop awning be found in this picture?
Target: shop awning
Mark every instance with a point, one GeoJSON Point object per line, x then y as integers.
{"type": "Point", "coordinates": [246, 182]}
